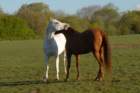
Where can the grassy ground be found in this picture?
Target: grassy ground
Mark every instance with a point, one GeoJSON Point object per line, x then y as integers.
{"type": "Point", "coordinates": [22, 67]}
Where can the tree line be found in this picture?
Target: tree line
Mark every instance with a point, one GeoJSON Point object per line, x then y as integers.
{"type": "Point", "coordinates": [31, 20]}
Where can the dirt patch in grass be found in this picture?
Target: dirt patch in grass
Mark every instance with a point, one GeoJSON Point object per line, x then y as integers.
{"type": "Point", "coordinates": [125, 46]}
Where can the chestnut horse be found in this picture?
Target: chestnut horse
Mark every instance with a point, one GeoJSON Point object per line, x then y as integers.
{"type": "Point", "coordinates": [91, 40]}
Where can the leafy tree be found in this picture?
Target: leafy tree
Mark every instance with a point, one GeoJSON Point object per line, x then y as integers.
{"type": "Point", "coordinates": [77, 23]}
{"type": "Point", "coordinates": [87, 12]}
{"type": "Point", "coordinates": [59, 14]}
{"type": "Point", "coordinates": [1, 11]}
{"type": "Point", "coordinates": [130, 23]}
{"type": "Point", "coordinates": [107, 13]}
{"type": "Point", "coordinates": [106, 18]}
{"type": "Point", "coordinates": [36, 14]}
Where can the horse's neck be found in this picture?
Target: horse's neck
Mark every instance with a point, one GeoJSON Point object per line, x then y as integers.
{"type": "Point", "coordinates": [49, 41]}
{"type": "Point", "coordinates": [50, 36]}
{"type": "Point", "coordinates": [73, 31]}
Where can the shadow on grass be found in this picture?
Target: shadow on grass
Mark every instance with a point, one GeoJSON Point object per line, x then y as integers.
{"type": "Point", "coordinates": [18, 83]}
{"type": "Point", "coordinates": [29, 82]}
{"type": "Point", "coordinates": [34, 82]}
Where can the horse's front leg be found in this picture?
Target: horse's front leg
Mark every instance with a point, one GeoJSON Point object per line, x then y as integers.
{"type": "Point", "coordinates": [45, 79]}
{"type": "Point", "coordinates": [77, 66]}
{"type": "Point", "coordinates": [68, 66]}
{"type": "Point", "coordinates": [57, 67]}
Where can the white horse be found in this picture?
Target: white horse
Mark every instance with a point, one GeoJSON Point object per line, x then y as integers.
{"type": "Point", "coordinates": [54, 45]}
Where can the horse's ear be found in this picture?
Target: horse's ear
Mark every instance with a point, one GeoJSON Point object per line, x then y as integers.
{"type": "Point", "coordinates": [66, 26]}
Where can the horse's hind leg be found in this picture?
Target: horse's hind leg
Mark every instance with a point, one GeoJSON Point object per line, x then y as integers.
{"type": "Point", "coordinates": [100, 74]}
{"type": "Point", "coordinates": [99, 56]}
{"type": "Point", "coordinates": [57, 67]}
{"type": "Point", "coordinates": [77, 66]}
{"type": "Point", "coordinates": [102, 60]}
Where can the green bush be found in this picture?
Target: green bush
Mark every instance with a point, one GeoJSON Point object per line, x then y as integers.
{"type": "Point", "coordinates": [130, 23]}
{"type": "Point", "coordinates": [12, 27]}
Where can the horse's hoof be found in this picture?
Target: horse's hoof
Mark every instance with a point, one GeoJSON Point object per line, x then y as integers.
{"type": "Point", "coordinates": [78, 78]}
{"type": "Point", "coordinates": [98, 79]}
{"type": "Point", "coordinates": [57, 79]}
{"type": "Point", "coordinates": [65, 80]}
{"type": "Point", "coordinates": [45, 80]}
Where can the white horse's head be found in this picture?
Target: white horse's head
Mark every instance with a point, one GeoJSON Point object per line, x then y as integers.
{"type": "Point", "coordinates": [55, 25]}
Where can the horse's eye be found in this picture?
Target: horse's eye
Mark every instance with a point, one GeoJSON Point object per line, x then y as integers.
{"type": "Point", "coordinates": [56, 23]}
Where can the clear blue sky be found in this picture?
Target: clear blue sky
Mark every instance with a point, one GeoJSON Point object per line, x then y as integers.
{"type": "Point", "coordinates": [69, 6]}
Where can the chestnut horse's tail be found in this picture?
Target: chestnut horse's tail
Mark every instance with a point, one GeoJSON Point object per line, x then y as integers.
{"type": "Point", "coordinates": [107, 53]}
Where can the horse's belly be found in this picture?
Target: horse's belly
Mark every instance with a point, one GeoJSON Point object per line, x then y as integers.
{"type": "Point", "coordinates": [81, 47]}
{"type": "Point", "coordinates": [81, 51]}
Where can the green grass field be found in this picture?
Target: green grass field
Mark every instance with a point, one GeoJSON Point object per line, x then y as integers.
{"type": "Point", "coordinates": [22, 68]}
